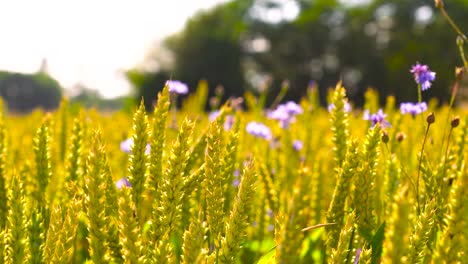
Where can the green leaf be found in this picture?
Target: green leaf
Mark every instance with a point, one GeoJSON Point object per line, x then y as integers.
{"type": "Point", "coordinates": [259, 246]}
{"type": "Point", "coordinates": [377, 244]}
{"type": "Point", "coordinates": [269, 257]}
{"type": "Point", "coordinates": [350, 247]}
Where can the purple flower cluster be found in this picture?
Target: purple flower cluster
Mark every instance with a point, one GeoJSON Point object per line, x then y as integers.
{"type": "Point", "coordinates": [378, 117]}
{"type": "Point", "coordinates": [122, 183]}
{"type": "Point", "coordinates": [423, 76]}
{"type": "Point", "coordinates": [286, 113]}
{"type": "Point", "coordinates": [413, 108]}
{"type": "Point", "coordinates": [298, 145]}
{"type": "Point", "coordinates": [127, 145]}
{"type": "Point", "coordinates": [259, 130]}
{"type": "Point", "coordinates": [236, 180]}
{"type": "Point", "coordinates": [358, 256]}
{"type": "Point", "coordinates": [229, 119]}
{"type": "Point", "coordinates": [177, 87]}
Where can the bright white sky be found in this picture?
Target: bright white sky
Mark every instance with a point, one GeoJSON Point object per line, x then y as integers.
{"type": "Point", "coordinates": [88, 41]}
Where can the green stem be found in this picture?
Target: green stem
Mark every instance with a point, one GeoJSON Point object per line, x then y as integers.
{"type": "Point", "coordinates": [452, 23]}
{"type": "Point", "coordinates": [452, 101]}
{"type": "Point", "coordinates": [462, 53]}
{"type": "Point", "coordinates": [454, 94]}
{"type": "Point", "coordinates": [420, 98]}
{"type": "Point", "coordinates": [419, 94]}
{"type": "Point", "coordinates": [280, 96]}
{"type": "Point", "coordinates": [447, 149]}
{"type": "Point", "coordinates": [419, 168]}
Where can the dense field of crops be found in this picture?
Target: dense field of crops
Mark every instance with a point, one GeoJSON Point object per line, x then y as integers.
{"type": "Point", "coordinates": [296, 184]}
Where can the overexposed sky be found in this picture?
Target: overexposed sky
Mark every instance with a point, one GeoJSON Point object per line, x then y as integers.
{"type": "Point", "coordinates": [88, 41]}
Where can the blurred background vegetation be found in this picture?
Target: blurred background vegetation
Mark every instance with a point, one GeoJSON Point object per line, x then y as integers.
{"type": "Point", "coordinates": [247, 45]}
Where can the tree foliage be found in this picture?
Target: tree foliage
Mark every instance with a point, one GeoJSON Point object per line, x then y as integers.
{"type": "Point", "coordinates": [368, 44]}
{"type": "Point", "coordinates": [24, 92]}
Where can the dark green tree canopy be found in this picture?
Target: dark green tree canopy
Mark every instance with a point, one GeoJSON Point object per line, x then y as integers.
{"type": "Point", "coordinates": [25, 92]}
{"type": "Point", "coordinates": [373, 44]}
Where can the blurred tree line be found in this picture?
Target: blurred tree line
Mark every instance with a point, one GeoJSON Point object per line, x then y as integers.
{"type": "Point", "coordinates": [86, 97]}
{"type": "Point", "coordinates": [245, 44]}
{"type": "Point", "coordinates": [24, 92]}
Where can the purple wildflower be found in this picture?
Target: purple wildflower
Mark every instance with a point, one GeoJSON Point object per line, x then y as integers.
{"type": "Point", "coordinates": [236, 182]}
{"type": "Point", "coordinates": [259, 130]}
{"type": "Point", "coordinates": [122, 183]}
{"type": "Point", "coordinates": [358, 256]}
{"type": "Point", "coordinates": [269, 212]}
{"type": "Point", "coordinates": [347, 107]}
{"type": "Point", "coordinates": [127, 145]}
{"type": "Point", "coordinates": [378, 117]}
{"type": "Point", "coordinates": [423, 76]}
{"type": "Point", "coordinates": [285, 113]}
{"type": "Point", "coordinates": [229, 119]}
{"type": "Point", "coordinates": [293, 108]}
{"type": "Point", "coordinates": [298, 145]}
{"type": "Point", "coordinates": [177, 87]}
{"type": "Point", "coordinates": [280, 113]}
{"type": "Point", "coordinates": [312, 84]}
{"type": "Point", "coordinates": [229, 122]}
{"type": "Point", "coordinates": [213, 115]}
{"type": "Point", "coordinates": [413, 108]}
{"type": "Point", "coordinates": [270, 228]}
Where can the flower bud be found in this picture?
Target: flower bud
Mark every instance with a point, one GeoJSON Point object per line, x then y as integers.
{"type": "Point", "coordinates": [455, 122]}
{"type": "Point", "coordinates": [385, 137]}
{"type": "Point", "coordinates": [430, 118]}
{"type": "Point", "coordinates": [214, 102]}
{"type": "Point", "coordinates": [439, 3]}
{"type": "Point", "coordinates": [400, 136]}
{"type": "Point", "coordinates": [219, 90]}
{"type": "Point", "coordinates": [459, 72]}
